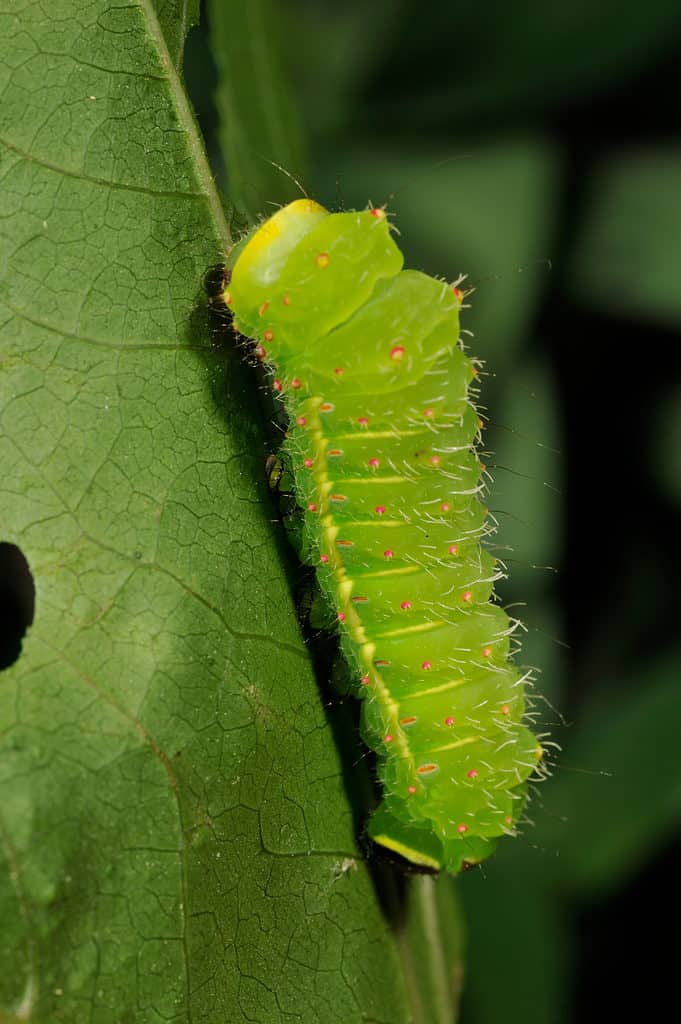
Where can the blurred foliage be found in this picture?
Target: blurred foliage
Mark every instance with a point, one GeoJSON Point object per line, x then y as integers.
{"type": "Point", "coordinates": [630, 235]}
{"type": "Point", "coordinates": [537, 148]}
{"type": "Point", "coordinates": [259, 123]}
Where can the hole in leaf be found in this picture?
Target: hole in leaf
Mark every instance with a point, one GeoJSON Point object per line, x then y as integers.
{"type": "Point", "coordinates": [17, 602]}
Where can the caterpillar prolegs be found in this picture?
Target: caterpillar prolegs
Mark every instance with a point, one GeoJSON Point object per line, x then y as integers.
{"type": "Point", "coordinates": [382, 445]}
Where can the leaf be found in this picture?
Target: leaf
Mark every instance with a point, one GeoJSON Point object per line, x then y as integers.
{"type": "Point", "coordinates": [332, 79]}
{"type": "Point", "coordinates": [616, 797]}
{"type": "Point", "coordinates": [515, 918]}
{"type": "Point", "coordinates": [176, 18]}
{"type": "Point", "coordinates": [177, 839]}
{"type": "Point", "coordinates": [627, 255]}
{"type": "Point", "coordinates": [461, 66]}
{"type": "Point", "coordinates": [259, 117]}
{"type": "Point", "coordinates": [526, 468]}
{"type": "Point", "coordinates": [486, 212]}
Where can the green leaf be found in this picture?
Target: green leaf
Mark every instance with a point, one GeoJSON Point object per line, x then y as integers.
{"type": "Point", "coordinates": [518, 941]}
{"type": "Point", "coordinates": [626, 258]}
{"type": "Point", "coordinates": [526, 466]}
{"type": "Point", "coordinates": [334, 50]}
{"type": "Point", "coordinates": [459, 65]}
{"type": "Point", "coordinates": [176, 18]}
{"type": "Point", "coordinates": [177, 841]}
{"type": "Point", "coordinates": [487, 212]}
{"type": "Point", "coordinates": [259, 119]}
{"type": "Point", "coordinates": [616, 797]}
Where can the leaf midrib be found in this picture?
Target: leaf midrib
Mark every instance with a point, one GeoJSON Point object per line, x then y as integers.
{"type": "Point", "coordinates": [187, 121]}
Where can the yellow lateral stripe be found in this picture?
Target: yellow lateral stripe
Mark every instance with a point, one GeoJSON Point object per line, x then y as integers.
{"type": "Point", "coordinates": [406, 851]}
{"type": "Point", "coordinates": [374, 522]}
{"type": "Point", "coordinates": [371, 435]}
{"type": "Point", "coordinates": [422, 627]}
{"type": "Point", "coordinates": [438, 689]}
{"type": "Point", "coordinates": [376, 480]}
{"type": "Point", "coordinates": [457, 743]}
{"type": "Point", "coordinates": [406, 570]}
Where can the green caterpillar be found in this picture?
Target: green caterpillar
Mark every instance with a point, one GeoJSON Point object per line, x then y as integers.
{"type": "Point", "coordinates": [382, 447]}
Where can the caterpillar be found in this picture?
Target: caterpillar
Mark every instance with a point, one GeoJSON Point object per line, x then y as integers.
{"type": "Point", "coordinates": [382, 444]}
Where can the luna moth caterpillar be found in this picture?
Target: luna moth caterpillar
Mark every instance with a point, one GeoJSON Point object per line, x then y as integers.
{"type": "Point", "coordinates": [382, 446]}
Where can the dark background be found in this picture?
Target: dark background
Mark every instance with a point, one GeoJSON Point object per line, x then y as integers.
{"type": "Point", "coordinates": [537, 147]}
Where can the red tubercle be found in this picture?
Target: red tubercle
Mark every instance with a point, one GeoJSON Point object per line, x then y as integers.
{"type": "Point", "coordinates": [338, 370]}
{"type": "Point", "coordinates": [405, 605]}
{"type": "Point", "coordinates": [487, 652]}
{"type": "Point", "coordinates": [365, 680]}
{"type": "Point", "coordinates": [473, 773]}
{"type": "Point", "coordinates": [323, 559]}
{"type": "Point", "coordinates": [308, 463]}
{"type": "Point", "coordinates": [426, 665]}
{"type": "Point", "coordinates": [363, 421]}
{"type": "Point", "coordinates": [388, 554]}
{"type": "Point", "coordinates": [462, 828]}
{"type": "Point", "coordinates": [341, 616]}
{"type": "Point", "coordinates": [467, 596]}
{"type": "Point", "coordinates": [388, 738]}
{"type": "Point", "coordinates": [505, 710]}
{"type": "Point", "coordinates": [508, 819]}
{"type": "Point", "coordinates": [429, 413]}
{"type": "Point", "coordinates": [435, 460]}
{"type": "Point", "coordinates": [449, 720]}
{"type": "Point", "coordinates": [277, 384]}
{"type": "Point", "coordinates": [374, 463]}
{"type": "Point", "coordinates": [380, 510]}
{"type": "Point", "coordinates": [322, 260]}
{"type": "Point", "coordinates": [445, 506]}
{"type": "Point", "coordinates": [312, 507]}
{"type": "Point", "coordinates": [453, 549]}
{"type": "Point", "coordinates": [260, 351]}
{"type": "Point", "coordinates": [296, 384]}
{"type": "Point", "coordinates": [397, 352]}
{"type": "Point", "coordinates": [301, 421]}
{"type": "Point", "coordinates": [458, 294]}
{"type": "Point", "coordinates": [378, 212]}
{"type": "Point", "coordinates": [411, 790]}
{"type": "Point", "coordinates": [268, 335]}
